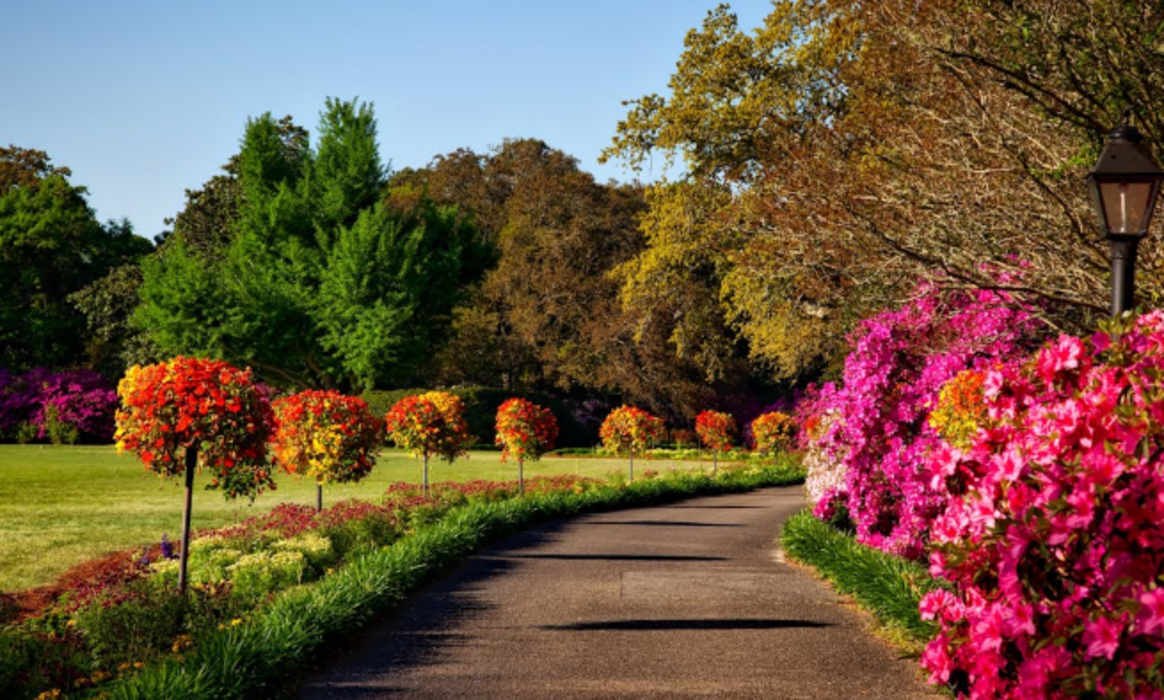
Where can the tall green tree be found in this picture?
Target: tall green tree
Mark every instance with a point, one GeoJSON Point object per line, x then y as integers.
{"type": "Point", "coordinates": [51, 245]}
{"type": "Point", "coordinates": [318, 285]}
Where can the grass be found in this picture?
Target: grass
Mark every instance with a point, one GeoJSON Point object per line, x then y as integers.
{"type": "Point", "coordinates": [63, 505]}
{"type": "Point", "coordinates": [887, 586]}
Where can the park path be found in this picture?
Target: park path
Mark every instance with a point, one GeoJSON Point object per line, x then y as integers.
{"type": "Point", "coordinates": [686, 600]}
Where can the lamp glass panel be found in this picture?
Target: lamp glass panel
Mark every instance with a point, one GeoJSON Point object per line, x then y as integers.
{"type": "Point", "coordinates": [1125, 206]}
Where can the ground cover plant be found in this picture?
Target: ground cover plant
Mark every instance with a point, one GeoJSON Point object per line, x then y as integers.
{"type": "Point", "coordinates": [237, 635]}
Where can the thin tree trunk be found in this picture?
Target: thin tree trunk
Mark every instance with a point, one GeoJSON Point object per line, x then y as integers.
{"type": "Point", "coordinates": [520, 475]}
{"type": "Point", "coordinates": [426, 474]}
{"type": "Point", "coordinates": [184, 557]}
{"type": "Point", "coordinates": [318, 497]}
{"type": "Point", "coordinates": [714, 463]}
{"type": "Point", "coordinates": [632, 467]}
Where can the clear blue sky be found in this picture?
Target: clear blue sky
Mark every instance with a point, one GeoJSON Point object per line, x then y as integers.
{"type": "Point", "coordinates": [145, 99]}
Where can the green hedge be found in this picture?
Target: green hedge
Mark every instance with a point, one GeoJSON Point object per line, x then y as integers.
{"type": "Point", "coordinates": [481, 404]}
{"type": "Point", "coordinates": [887, 586]}
{"type": "Point", "coordinates": [256, 659]}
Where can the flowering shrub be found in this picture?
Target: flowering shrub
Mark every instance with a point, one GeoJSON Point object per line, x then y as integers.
{"type": "Point", "coordinates": [628, 430]}
{"type": "Point", "coordinates": [525, 430]}
{"type": "Point", "coordinates": [205, 404]}
{"type": "Point", "coordinates": [824, 485]}
{"type": "Point", "coordinates": [1055, 540]}
{"type": "Point", "coordinates": [325, 435]}
{"type": "Point", "coordinates": [430, 424]}
{"type": "Point", "coordinates": [716, 430]}
{"type": "Point", "coordinates": [47, 404]}
{"type": "Point", "coordinates": [892, 378]}
{"type": "Point", "coordinates": [774, 432]}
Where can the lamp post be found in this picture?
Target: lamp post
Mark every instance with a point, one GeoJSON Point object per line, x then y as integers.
{"type": "Point", "coordinates": [1124, 185]}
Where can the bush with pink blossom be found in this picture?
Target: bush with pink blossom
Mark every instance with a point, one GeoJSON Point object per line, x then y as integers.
{"type": "Point", "coordinates": [1054, 538]}
{"type": "Point", "coordinates": [880, 437]}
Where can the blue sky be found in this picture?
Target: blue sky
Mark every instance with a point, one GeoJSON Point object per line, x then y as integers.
{"type": "Point", "coordinates": [145, 99]}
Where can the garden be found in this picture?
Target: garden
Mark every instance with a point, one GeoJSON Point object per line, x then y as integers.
{"type": "Point", "coordinates": [166, 619]}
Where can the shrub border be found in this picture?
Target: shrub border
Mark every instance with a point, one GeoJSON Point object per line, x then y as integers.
{"type": "Point", "coordinates": [257, 658]}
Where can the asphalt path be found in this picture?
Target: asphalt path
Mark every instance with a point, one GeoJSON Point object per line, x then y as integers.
{"type": "Point", "coordinates": [690, 600]}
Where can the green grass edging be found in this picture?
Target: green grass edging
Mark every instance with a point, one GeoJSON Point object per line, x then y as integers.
{"type": "Point", "coordinates": [885, 585]}
{"type": "Point", "coordinates": [256, 659]}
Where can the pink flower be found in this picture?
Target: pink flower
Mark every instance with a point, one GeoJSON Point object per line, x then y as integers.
{"type": "Point", "coordinates": [940, 602]}
{"type": "Point", "coordinates": [1102, 637]}
{"type": "Point", "coordinates": [1061, 356]}
{"type": "Point", "coordinates": [1150, 619]}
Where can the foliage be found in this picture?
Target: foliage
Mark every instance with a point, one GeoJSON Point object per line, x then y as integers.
{"type": "Point", "coordinates": [886, 585]}
{"type": "Point", "coordinates": [961, 410]}
{"type": "Point", "coordinates": [204, 404]}
{"type": "Point", "coordinates": [629, 429]}
{"type": "Point", "coordinates": [51, 245]}
{"type": "Point", "coordinates": [313, 283]}
{"type": "Point", "coordinates": [77, 402]}
{"type": "Point", "coordinates": [430, 424]}
{"type": "Point", "coordinates": [325, 435]}
{"type": "Point", "coordinates": [525, 430]}
{"type": "Point", "coordinates": [716, 430]}
{"type": "Point", "coordinates": [773, 432]}
{"type": "Point", "coordinates": [1054, 539]}
{"type": "Point", "coordinates": [899, 362]}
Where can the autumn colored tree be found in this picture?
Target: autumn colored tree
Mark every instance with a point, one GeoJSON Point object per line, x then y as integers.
{"type": "Point", "coordinates": [525, 430]}
{"type": "Point", "coordinates": [327, 436]}
{"type": "Point", "coordinates": [430, 424]}
{"type": "Point", "coordinates": [774, 432]}
{"type": "Point", "coordinates": [206, 409]}
{"type": "Point", "coordinates": [717, 431]}
{"type": "Point", "coordinates": [628, 429]}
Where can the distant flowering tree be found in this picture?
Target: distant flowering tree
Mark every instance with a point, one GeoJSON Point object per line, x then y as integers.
{"type": "Point", "coordinates": [207, 409]}
{"type": "Point", "coordinates": [327, 436]}
{"type": "Point", "coordinates": [525, 430]}
{"type": "Point", "coordinates": [1055, 537]}
{"type": "Point", "coordinates": [430, 424]}
{"type": "Point", "coordinates": [628, 430]}
{"type": "Point", "coordinates": [717, 431]}
{"type": "Point", "coordinates": [774, 432]}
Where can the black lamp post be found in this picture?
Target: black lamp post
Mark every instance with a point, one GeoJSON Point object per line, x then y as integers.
{"type": "Point", "coordinates": [1124, 185]}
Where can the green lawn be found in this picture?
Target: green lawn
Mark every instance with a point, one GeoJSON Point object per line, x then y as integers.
{"type": "Point", "coordinates": [62, 505]}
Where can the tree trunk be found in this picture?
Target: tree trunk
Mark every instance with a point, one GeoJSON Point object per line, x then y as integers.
{"type": "Point", "coordinates": [184, 556]}
{"type": "Point", "coordinates": [632, 467]}
{"type": "Point", "coordinates": [520, 475]}
{"type": "Point", "coordinates": [714, 463]}
{"type": "Point", "coordinates": [318, 497]}
{"type": "Point", "coordinates": [426, 474]}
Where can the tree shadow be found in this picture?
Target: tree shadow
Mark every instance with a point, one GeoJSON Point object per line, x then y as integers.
{"type": "Point", "coordinates": [672, 625]}
{"type": "Point", "coordinates": [614, 557]}
{"type": "Point", "coordinates": [663, 523]}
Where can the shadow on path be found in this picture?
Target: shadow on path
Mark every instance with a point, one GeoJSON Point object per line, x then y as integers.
{"type": "Point", "coordinates": [674, 625]}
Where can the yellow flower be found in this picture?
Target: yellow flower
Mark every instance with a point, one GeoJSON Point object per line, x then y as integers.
{"type": "Point", "coordinates": [71, 623]}
{"type": "Point", "coordinates": [236, 622]}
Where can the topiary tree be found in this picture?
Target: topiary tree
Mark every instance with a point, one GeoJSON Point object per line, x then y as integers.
{"type": "Point", "coordinates": [774, 432]}
{"type": "Point", "coordinates": [430, 424]}
{"type": "Point", "coordinates": [628, 429]}
{"type": "Point", "coordinates": [716, 430]}
{"type": "Point", "coordinates": [206, 408]}
{"type": "Point", "coordinates": [524, 430]}
{"type": "Point", "coordinates": [325, 435]}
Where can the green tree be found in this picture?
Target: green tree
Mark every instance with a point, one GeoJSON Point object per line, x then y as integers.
{"type": "Point", "coordinates": [51, 245]}
{"type": "Point", "coordinates": [317, 285]}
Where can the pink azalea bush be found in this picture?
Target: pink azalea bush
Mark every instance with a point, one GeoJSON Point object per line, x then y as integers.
{"type": "Point", "coordinates": [1054, 538]}
{"type": "Point", "coordinates": [80, 401]}
{"type": "Point", "coordinates": [880, 437]}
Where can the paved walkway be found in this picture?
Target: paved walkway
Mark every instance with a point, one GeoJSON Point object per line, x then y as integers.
{"type": "Point", "coordinates": [679, 601]}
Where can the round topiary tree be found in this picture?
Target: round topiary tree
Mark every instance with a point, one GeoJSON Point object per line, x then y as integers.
{"type": "Point", "coordinates": [774, 432]}
{"type": "Point", "coordinates": [327, 436]}
{"type": "Point", "coordinates": [430, 424]}
{"type": "Point", "coordinates": [716, 430]}
{"type": "Point", "coordinates": [525, 430]}
{"type": "Point", "coordinates": [208, 409]}
{"type": "Point", "coordinates": [628, 430]}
